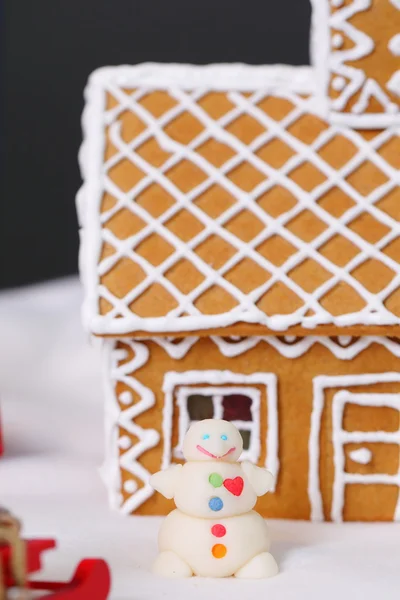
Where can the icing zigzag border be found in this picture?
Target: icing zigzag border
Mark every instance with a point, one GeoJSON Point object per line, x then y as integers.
{"type": "Point", "coordinates": [354, 80]}
{"type": "Point", "coordinates": [116, 418]}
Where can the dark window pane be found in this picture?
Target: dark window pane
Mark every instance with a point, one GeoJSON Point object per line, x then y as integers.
{"type": "Point", "coordinates": [246, 439]}
{"type": "Point", "coordinates": [200, 407]}
{"type": "Point", "coordinates": [237, 408]}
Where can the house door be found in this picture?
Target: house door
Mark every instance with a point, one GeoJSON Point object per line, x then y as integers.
{"type": "Point", "coordinates": [367, 475]}
{"type": "Point", "coordinates": [355, 448]}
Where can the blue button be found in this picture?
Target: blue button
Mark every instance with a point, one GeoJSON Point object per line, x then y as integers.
{"type": "Point", "coordinates": [216, 504]}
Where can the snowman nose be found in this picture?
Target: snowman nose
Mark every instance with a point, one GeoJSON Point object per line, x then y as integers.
{"type": "Point", "coordinates": [220, 447]}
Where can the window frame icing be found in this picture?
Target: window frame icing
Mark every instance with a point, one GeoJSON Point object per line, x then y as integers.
{"type": "Point", "coordinates": [217, 393]}
{"type": "Point", "coordinates": [173, 380]}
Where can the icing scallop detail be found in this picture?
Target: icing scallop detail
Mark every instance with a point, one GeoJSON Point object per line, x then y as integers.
{"type": "Point", "coordinates": [216, 504]}
{"type": "Point", "coordinates": [219, 551]}
{"type": "Point", "coordinates": [218, 530]}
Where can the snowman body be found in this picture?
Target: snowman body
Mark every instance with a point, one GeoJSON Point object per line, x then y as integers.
{"type": "Point", "coordinates": [214, 547]}
{"type": "Point", "coordinates": [209, 489]}
{"type": "Point", "coordinates": [214, 531]}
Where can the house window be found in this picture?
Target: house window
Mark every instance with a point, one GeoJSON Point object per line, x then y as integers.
{"type": "Point", "coordinates": [240, 405]}
{"type": "Point", "coordinates": [236, 397]}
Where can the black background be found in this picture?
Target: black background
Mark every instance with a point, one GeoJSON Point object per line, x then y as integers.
{"type": "Point", "coordinates": [52, 46]}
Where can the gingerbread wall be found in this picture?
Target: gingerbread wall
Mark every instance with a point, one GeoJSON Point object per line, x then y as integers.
{"type": "Point", "coordinates": [299, 381]}
{"type": "Point", "coordinates": [362, 59]}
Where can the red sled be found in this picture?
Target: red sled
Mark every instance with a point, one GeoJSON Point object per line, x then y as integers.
{"type": "Point", "coordinates": [91, 580]}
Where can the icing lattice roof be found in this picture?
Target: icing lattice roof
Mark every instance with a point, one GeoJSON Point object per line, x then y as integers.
{"type": "Point", "coordinates": [221, 195]}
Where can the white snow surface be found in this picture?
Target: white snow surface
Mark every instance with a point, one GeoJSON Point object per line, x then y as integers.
{"type": "Point", "coordinates": [52, 414]}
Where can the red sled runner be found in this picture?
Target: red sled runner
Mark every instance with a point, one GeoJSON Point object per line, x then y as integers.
{"type": "Point", "coordinates": [91, 580]}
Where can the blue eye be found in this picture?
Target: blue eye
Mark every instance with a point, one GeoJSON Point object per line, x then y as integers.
{"type": "Point", "coordinates": [224, 437]}
{"type": "Point", "coordinates": [206, 436]}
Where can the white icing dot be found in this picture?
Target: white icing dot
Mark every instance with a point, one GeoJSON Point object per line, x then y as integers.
{"type": "Point", "coordinates": [344, 340]}
{"type": "Point", "coordinates": [362, 456]}
{"type": "Point", "coordinates": [124, 442]}
{"type": "Point", "coordinates": [394, 45]}
{"type": "Point", "coordinates": [392, 108]}
{"type": "Point", "coordinates": [337, 3]}
{"type": "Point", "coordinates": [337, 40]}
{"type": "Point", "coordinates": [125, 398]}
{"type": "Point", "coordinates": [289, 338]}
{"type": "Point", "coordinates": [394, 83]}
{"type": "Point", "coordinates": [130, 486]}
{"type": "Point", "coordinates": [338, 83]}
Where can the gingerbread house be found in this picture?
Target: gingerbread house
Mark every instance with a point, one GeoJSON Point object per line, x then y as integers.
{"type": "Point", "coordinates": [240, 259]}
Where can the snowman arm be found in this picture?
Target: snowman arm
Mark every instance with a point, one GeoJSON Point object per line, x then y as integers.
{"type": "Point", "coordinates": [261, 480]}
{"type": "Point", "coordinates": [166, 481]}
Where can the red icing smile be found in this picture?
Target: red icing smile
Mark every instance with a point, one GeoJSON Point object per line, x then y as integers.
{"type": "Point", "coordinates": [207, 453]}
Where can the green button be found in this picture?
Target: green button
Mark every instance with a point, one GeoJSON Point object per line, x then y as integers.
{"type": "Point", "coordinates": [215, 479]}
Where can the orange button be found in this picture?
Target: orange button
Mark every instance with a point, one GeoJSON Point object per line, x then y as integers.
{"type": "Point", "coordinates": [218, 551]}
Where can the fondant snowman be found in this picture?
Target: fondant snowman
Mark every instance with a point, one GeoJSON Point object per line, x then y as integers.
{"type": "Point", "coordinates": [213, 532]}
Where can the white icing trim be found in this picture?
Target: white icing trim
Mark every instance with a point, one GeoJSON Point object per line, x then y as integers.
{"type": "Point", "coordinates": [220, 77]}
{"type": "Point", "coordinates": [371, 89]}
{"type": "Point", "coordinates": [340, 437]}
{"type": "Point", "coordinates": [320, 384]}
{"type": "Point", "coordinates": [381, 121]}
{"type": "Point", "coordinates": [178, 349]}
{"type": "Point", "coordinates": [172, 380]}
{"type": "Point", "coordinates": [320, 50]}
{"type": "Point", "coordinates": [110, 471]}
{"type": "Point", "coordinates": [291, 347]}
{"type": "Point", "coordinates": [88, 198]}
{"type": "Point", "coordinates": [217, 393]}
{"type": "Point", "coordinates": [331, 64]}
{"type": "Point", "coordinates": [129, 459]}
{"type": "Point", "coordinates": [246, 309]}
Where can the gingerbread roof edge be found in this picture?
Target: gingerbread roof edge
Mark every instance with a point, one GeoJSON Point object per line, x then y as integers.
{"type": "Point", "coordinates": [240, 82]}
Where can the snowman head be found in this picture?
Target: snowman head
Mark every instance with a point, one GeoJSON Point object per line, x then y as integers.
{"type": "Point", "coordinates": [212, 439]}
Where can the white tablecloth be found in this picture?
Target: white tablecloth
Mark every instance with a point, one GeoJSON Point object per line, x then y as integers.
{"type": "Point", "coordinates": [51, 406]}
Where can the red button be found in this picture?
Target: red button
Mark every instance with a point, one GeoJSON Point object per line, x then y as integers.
{"type": "Point", "coordinates": [218, 530]}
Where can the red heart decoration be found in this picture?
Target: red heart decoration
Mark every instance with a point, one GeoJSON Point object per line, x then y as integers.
{"type": "Point", "coordinates": [234, 486]}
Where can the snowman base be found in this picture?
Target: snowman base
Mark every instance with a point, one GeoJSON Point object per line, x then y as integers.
{"type": "Point", "coordinates": [234, 546]}
{"type": "Point", "coordinates": [169, 564]}
{"type": "Point", "coordinates": [261, 566]}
